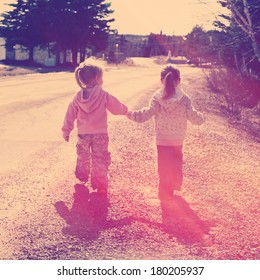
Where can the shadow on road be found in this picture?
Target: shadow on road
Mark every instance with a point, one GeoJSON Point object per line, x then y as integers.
{"type": "Point", "coordinates": [87, 216]}
{"type": "Point", "coordinates": [179, 220]}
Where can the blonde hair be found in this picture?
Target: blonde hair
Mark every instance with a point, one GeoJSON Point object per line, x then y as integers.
{"type": "Point", "coordinates": [86, 73]}
{"type": "Point", "coordinates": [171, 77]}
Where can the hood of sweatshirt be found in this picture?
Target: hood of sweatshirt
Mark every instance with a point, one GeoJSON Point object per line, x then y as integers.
{"type": "Point", "coordinates": [90, 99]}
{"type": "Point", "coordinates": [172, 102]}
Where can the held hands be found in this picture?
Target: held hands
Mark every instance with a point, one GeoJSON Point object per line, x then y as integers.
{"type": "Point", "coordinates": [129, 115]}
{"type": "Point", "coordinates": [134, 116]}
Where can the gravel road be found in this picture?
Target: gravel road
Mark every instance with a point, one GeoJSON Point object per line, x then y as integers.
{"type": "Point", "coordinates": [214, 216]}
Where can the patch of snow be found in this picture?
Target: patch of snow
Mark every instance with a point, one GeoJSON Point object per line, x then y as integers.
{"type": "Point", "coordinates": [141, 61]}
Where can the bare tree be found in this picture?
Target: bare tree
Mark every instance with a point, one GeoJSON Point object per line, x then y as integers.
{"type": "Point", "coordinates": [244, 21]}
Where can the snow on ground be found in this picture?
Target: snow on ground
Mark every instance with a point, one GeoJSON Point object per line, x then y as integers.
{"type": "Point", "coordinates": [141, 61]}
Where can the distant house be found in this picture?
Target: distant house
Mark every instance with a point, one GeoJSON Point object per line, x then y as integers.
{"type": "Point", "coordinates": [146, 45]}
{"type": "Point", "coordinates": [119, 48]}
{"type": "Point", "coordinates": [2, 49]}
{"type": "Point", "coordinates": [45, 55]}
{"type": "Point", "coordinates": [19, 52]}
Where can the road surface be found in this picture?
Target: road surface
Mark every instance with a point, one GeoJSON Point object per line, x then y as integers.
{"type": "Point", "coordinates": [215, 216]}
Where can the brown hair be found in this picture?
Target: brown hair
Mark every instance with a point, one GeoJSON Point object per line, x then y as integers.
{"type": "Point", "coordinates": [86, 73]}
{"type": "Point", "coordinates": [171, 77]}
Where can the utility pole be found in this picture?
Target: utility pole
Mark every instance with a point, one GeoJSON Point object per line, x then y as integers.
{"type": "Point", "coordinates": [116, 54]}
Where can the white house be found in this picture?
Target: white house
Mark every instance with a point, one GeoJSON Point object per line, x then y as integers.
{"type": "Point", "coordinates": [2, 48]}
{"type": "Point", "coordinates": [41, 54]}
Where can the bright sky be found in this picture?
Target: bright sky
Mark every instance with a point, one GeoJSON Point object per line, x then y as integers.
{"type": "Point", "coordinates": [142, 17]}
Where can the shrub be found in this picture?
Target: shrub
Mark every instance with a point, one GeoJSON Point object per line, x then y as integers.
{"type": "Point", "coordinates": [238, 91]}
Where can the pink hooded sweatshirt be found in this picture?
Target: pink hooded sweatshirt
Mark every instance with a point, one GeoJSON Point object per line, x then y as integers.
{"type": "Point", "coordinates": [91, 112]}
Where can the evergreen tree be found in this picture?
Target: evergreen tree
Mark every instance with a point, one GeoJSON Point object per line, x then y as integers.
{"type": "Point", "coordinates": [198, 46]}
{"type": "Point", "coordinates": [243, 32]}
{"type": "Point", "coordinates": [72, 25]}
{"type": "Point", "coordinates": [24, 25]}
{"type": "Point", "coordinates": [79, 24]}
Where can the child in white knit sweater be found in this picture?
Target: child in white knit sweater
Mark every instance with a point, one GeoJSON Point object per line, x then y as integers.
{"type": "Point", "coordinates": [171, 109]}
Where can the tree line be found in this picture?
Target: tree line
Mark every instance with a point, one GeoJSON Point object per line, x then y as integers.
{"type": "Point", "coordinates": [233, 51]}
{"type": "Point", "coordinates": [80, 24]}
{"type": "Point", "coordinates": [68, 25]}
{"type": "Point", "coordinates": [235, 42]}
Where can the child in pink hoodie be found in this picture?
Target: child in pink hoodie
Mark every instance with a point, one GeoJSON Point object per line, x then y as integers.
{"type": "Point", "coordinates": [89, 108]}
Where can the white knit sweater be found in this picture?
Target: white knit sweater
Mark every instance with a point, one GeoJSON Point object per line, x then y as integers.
{"type": "Point", "coordinates": [170, 115]}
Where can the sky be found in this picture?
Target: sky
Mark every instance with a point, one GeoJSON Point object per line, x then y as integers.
{"type": "Point", "coordinates": [172, 17]}
{"type": "Point", "coordinates": [176, 17]}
